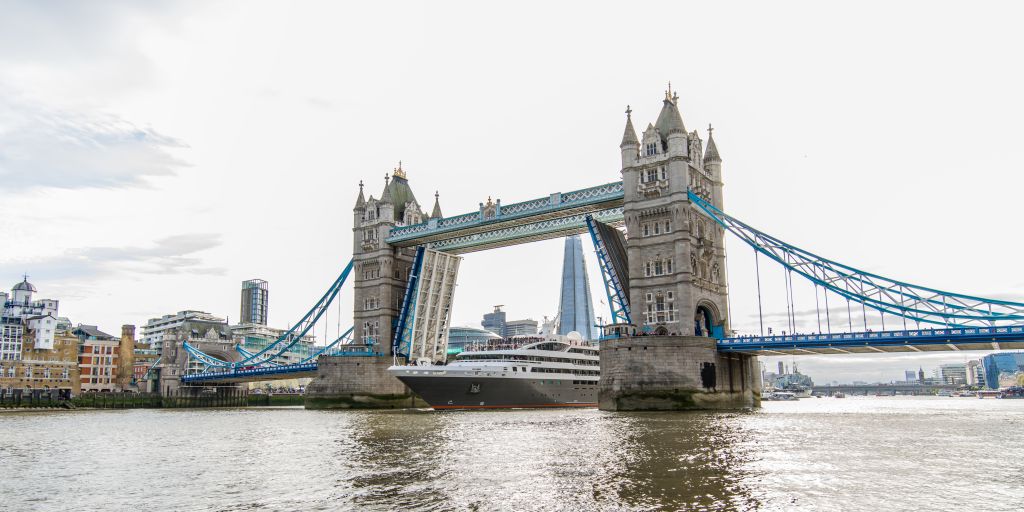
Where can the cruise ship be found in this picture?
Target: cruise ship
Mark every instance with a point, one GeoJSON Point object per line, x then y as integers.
{"type": "Point", "coordinates": [520, 372]}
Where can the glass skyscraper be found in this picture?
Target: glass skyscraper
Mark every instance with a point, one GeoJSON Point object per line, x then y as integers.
{"type": "Point", "coordinates": [575, 307]}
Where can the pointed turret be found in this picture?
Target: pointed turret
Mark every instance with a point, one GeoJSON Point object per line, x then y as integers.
{"type": "Point", "coordinates": [436, 214]}
{"type": "Point", "coordinates": [360, 201]}
{"type": "Point", "coordinates": [385, 197]}
{"type": "Point", "coordinates": [629, 135]}
{"type": "Point", "coordinates": [670, 120]}
{"type": "Point", "coordinates": [630, 145]}
{"type": "Point", "coordinates": [711, 153]}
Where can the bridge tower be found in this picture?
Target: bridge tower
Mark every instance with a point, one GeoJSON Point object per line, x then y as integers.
{"type": "Point", "coordinates": [381, 271]}
{"type": "Point", "coordinates": [678, 293]}
{"type": "Point", "coordinates": [380, 275]}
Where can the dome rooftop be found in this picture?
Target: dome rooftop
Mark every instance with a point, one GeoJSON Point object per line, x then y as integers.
{"type": "Point", "coordinates": [24, 285]}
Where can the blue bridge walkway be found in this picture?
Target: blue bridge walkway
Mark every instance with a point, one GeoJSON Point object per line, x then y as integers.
{"type": "Point", "coordinates": [919, 340]}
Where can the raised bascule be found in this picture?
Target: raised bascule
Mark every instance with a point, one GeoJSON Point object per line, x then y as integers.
{"type": "Point", "coordinates": [659, 232]}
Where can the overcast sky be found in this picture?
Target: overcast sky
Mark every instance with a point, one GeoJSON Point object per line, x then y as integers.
{"type": "Point", "coordinates": [154, 155]}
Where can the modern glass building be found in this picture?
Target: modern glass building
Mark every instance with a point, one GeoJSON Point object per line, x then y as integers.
{"type": "Point", "coordinates": [575, 306]}
{"type": "Point", "coordinates": [460, 337]}
{"type": "Point", "coordinates": [255, 295]}
{"type": "Point", "coordinates": [1003, 362]}
{"type": "Point", "coordinates": [495, 322]}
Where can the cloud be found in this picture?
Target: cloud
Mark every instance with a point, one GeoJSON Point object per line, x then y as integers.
{"type": "Point", "coordinates": [41, 147]}
{"type": "Point", "coordinates": [167, 256]}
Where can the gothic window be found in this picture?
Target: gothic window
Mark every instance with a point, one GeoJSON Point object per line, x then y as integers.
{"type": "Point", "coordinates": [650, 297]}
{"type": "Point", "coordinates": [668, 266]}
{"type": "Point", "coordinates": [659, 268]}
{"type": "Point", "coordinates": [369, 235]}
{"type": "Point", "coordinates": [371, 214]}
{"type": "Point", "coordinates": [652, 175]}
{"type": "Point", "coordinates": [664, 176]}
{"type": "Point", "coordinates": [652, 149]}
{"type": "Point", "coordinates": [371, 330]}
{"type": "Point", "coordinates": [647, 269]}
{"type": "Point", "coordinates": [647, 230]}
{"type": "Point", "coordinates": [657, 228]}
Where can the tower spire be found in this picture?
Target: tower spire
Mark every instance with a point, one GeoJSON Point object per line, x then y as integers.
{"type": "Point", "coordinates": [436, 214]}
{"type": "Point", "coordinates": [360, 201]}
{"type": "Point", "coordinates": [711, 153]}
{"type": "Point", "coordinates": [386, 196]}
{"type": "Point", "coordinates": [629, 134]}
{"type": "Point", "coordinates": [399, 173]}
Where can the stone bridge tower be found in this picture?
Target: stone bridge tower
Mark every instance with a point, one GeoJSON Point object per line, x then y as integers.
{"type": "Point", "coordinates": [381, 272]}
{"type": "Point", "coordinates": [676, 254]}
{"type": "Point", "coordinates": [677, 284]}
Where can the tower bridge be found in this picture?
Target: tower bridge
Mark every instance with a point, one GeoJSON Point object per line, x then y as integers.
{"type": "Point", "coordinates": [659, 233]}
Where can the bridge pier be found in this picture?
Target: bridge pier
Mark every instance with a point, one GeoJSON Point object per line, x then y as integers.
{"type": "Point", "coordinates": [675, 373]}
{"type": "Point", "coordinates": [358, 383]}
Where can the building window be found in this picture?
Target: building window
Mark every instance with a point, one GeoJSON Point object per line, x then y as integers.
{"type": "Point", "coordinates": [652, 175]}
{"type": "Point", "coordinates": [647, 230]}
{"type": "Point", "coordinates": [657, 228]}
{"type": "Point", "coordinates": [664, 176]}
{"type": "Point", "coordinates": [652, 149]}
{"type": "Point", "coordinates": [668, 226]}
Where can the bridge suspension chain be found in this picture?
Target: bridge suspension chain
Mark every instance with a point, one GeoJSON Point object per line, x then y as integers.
{"type": "Point", "coordinates": [909, 301]}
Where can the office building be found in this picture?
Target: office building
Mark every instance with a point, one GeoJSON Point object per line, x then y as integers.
{"type": "Point", "coordinates": [910, 376]}
{"type": "Point", "coordinates": [495, 321]}
{"type": "Point", "coordinates": [98, 358]}
{"type": "Point", "coordinates": [994, 365]}
{"type": "Point", "coordinates": [575, 306]}
{"type": "Point", "coordinates": [521, 328]}
{"type": "Point", "coordinates": [255, 294]}
{"type": "Point", "coordinates": [953, 373]}
{"type": "Point", "coordinates": [157, 329]}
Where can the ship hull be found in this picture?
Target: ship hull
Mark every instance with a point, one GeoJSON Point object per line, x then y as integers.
{"type": "Point", "coordinates": [447, 392]}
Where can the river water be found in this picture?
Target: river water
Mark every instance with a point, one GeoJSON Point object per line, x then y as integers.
{"type": "Point", "coordinates": [858, 453]}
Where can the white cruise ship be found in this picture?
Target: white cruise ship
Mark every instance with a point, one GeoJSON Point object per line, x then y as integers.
{"type": "Point", "coordinates": [521, 372]}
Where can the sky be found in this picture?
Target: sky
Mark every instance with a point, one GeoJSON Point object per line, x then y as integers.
{"type": "Point", "coordinates": [154, 155]}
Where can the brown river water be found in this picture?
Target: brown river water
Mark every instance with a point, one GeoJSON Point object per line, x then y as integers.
{"type": "Point", "coordinates": [858, 453]}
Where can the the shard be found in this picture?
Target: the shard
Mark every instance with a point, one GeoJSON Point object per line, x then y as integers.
{"type": "Point", "coordinates": [575, 307]}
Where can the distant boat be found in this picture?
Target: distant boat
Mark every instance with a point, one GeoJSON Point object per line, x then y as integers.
{"type": "Point", "coordinates": [839, 394]}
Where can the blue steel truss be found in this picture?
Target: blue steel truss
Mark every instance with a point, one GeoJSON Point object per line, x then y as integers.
{"type": "Point", "coordinates": [618, 301]}
{"type": "Point", "coordinates": [284, 343]}
{"type": "Point", "coordinates": [497, 225]}
{"type": "Point", "coordinates": [913, 302]}
{"type": "Point", "coordinates": [526, 232]}
{"type": "Point", "coordinates": [403, 328]}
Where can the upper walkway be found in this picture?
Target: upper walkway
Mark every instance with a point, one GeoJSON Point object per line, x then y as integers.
{"type": "Point", "coordinates": [496, 225]}
{"type": "Point", "coordinates": [917, 340]}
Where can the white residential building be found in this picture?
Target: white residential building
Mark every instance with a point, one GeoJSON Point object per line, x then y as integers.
{"type": "Point", "coordinates": [20, 313]}
{"type": "Point", "coordinates": [156, 329]}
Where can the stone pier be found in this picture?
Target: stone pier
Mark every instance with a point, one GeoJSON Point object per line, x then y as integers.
{"type": "Point", "coordinates": [673, 373]}
{"type": "Point", "coordinates": [358, 383]}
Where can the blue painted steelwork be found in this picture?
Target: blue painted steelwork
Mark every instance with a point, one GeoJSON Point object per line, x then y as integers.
{"type": "Point", "coordinates": [496, 225]}
{"type": "Point", "coordinates": [526, 232]}
{"type": "Point", "coordinates": [546, 205]}
{"type": "Point", "coordinates": [258, 372]}
{"type": "Point", "coordinates": [403, 328]}
{"type": "Point", "coordinates": [617, 298]}
{"type": "Point", "coordinates": [987, 336]}
{"type": "Point", "coordinates": [287, 340]}
{"type": "Point", "coordinates": [913, 302]}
